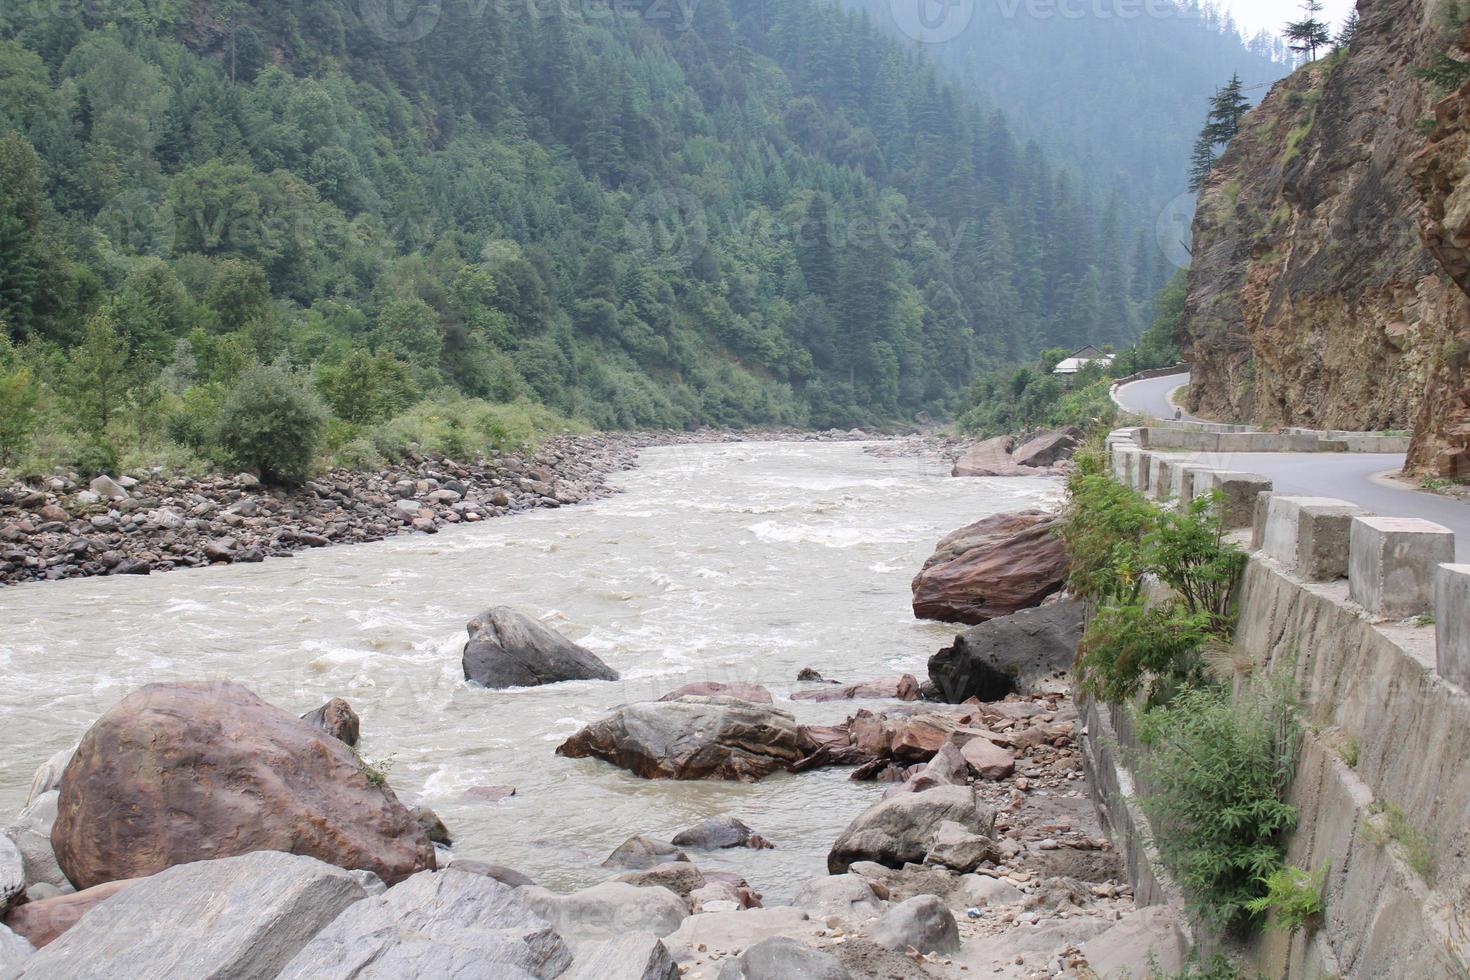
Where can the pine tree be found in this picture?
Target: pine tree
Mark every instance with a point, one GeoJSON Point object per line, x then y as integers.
{"type": "Point", "coordinates": [1226, 110]}
{"type": "Point", "coordinates": [1309, 33]}
{"type": "Point", "coordinates": [1202, 162]}
{"type": "Point", "coordinates": [1348, 32]}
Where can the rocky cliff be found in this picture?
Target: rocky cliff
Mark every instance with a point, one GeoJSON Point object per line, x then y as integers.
{"type": "Point", "coordinates": [1313, 297]}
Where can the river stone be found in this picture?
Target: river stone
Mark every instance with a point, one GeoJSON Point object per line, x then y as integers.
{"type": "Point", "coordinates": [639, 852]}
{"type": "Point", "coordinates": [989, 458]}
{"type": "Point", "coordinates": [502, 874]}
{"type": "Point", "coordinates": [719, 833]}
{"type": "Point", "coordinates": [48, 775]}
{"type": "Point", "coordinates": [1015, 654]}
{"type": "Point", "coordinates": [734, 932]}
{"type": "Point", "coordinates": [754, 693]}
{"type": "Point", "coordinates": [32, 835]}
{"type": "Point", "coordinates": [12, 872]}
{"type": "Point", "coordinates": [14, 951]}
{"type": "Point", "coordinates": [337, 719]}
{"type": "Point", "coordinates": [639, 956]}
{"type": "Point", "coordinates": [992, 568]}
{"type": "Point", "coordinates": [679, 877]}
{"type": "Point", "coordinates": [921, 923]}
{"type": "Point", "coordinates": [106, 488]}
{"type": "Point", "coordinates": [692, 738]}
{"type": "Point", "coordinates": [988, 760]}
{"type": "Point", "coordinates": [954, 847]}
{"type": "Point", "coordinates": [607, 911]}
{"type": "Point", "coordinates": [898, 831]}
{"type": "Point", "coordinates": [41, 922]}
{"type": "Point", "coordinates": [178, 773]}
{"type": "Point", "coordinates": [237, 918]}
{"type": "Point", "coordinates": [981, 891]}
{"type": "Point", "coordinates": [848, 895]}
{"type": "Point", "coordinates": [1048, 448]}
{"type": "Point", "coordinates": [435, 924]}
{"type": "Point", "coordinates": [783, 958]}
{"type": "Point", "coordinates": [508, 649]}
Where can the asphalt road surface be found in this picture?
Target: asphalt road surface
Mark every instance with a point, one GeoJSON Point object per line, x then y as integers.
{"type": "Point", "coordinates": [1150, 398]}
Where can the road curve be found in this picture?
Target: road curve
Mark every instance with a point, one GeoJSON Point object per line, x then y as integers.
{"type": "Point", "coordinates": [1150, 397]}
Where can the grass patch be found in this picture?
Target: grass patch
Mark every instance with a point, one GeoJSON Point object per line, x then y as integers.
{"type": "Point", "coordinates": [1390, 825]}
{"type": "Point", "coordinates": [376, 773]}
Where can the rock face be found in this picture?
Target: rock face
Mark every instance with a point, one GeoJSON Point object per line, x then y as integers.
{"type": "Point", "coordinates": [992, 568]}
{"type": "Point", "coordinates": [508, 649]}
{"type": "Point", "coordinates": [32, 836]}
{"type": "Point", "coordinates": [435, 924]}
{"type": "Point", "coordinates": [261, 909]}
{"type": "Point", "coordinates": [899, 831]}
{"type": "Point", "coordinates": [177, 773]}
{"type": "Point", "coordinates": [692, 738]}
{"type": "Point", "coordinates": [640, 956]}
{"type": "Point", "coordinates": [608, 911]}
{"type": "Point", "coordinates": [12, 872]}
{"type": "Point", "coordinates": [1293, 319]}
{"type": "Point", "coordinates": [1010, 655]}
{"type": "Point", "coordinates": [14, 951]}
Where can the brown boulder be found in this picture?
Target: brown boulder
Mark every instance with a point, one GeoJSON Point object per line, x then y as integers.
{"type": "Point", "coordinates": [177, 773]}
{"type": "Point", "coordinates": [990, 458]}
{"type": "Point", "coordinates": [692, 738]}
{"type": "Point", "coordinates": [992, 568]}
{"type": "Point", "coordinates": [905, 688]}
{"type": "Point", "coordinates": [337, 719]}
{"type": "Point", "coordinates": [988, 760]}
{"type": "Point", "coordinates": [39, 923]}
{"type": "Point", "coordinates": [754, 693]}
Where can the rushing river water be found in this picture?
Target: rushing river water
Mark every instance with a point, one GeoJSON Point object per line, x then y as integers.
{"type": "Point", "coordinates": [719, 562]}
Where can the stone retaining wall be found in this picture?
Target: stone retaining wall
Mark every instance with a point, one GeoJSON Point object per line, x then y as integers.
{"type": "Point", "coordinates": [1374, 623]}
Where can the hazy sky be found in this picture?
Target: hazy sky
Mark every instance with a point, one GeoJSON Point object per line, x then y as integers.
{"type": "Point", "coordinates": [1271, 14]}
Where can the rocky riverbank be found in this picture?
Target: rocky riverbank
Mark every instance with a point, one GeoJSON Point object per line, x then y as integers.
{"type": "Point", "coordinates": [60, 526]}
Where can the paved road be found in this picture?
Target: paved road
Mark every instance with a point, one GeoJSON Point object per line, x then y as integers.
{"type": "Point", "coordinates": [1150, 398]}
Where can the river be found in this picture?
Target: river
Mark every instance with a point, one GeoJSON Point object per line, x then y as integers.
{"type": "Point", "coordinates": [727, 562]}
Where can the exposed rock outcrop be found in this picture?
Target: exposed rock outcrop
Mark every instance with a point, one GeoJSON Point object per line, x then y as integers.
{"type": "Point", "coordinates": [1012, 655]}
{"type": "Point", "coordinates": [991, 568]}
{"type": "Point", "coordinates": [509, 649]}
{"type": "Point", "coordinates": [177, 773]}
{"type": "Point", "coordinates": [692, 738]}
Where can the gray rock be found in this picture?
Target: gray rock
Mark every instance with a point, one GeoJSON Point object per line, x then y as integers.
{"type": "Point", "coordinates": [408, 508]}
{"type": "Point", "coordinates": [718, 833]}
{"type": "Point", "coordinates": [261, 909]}
{"type": "Point", "coordinates": [12, 872]}
{"type": "Point", "coordinates": [679, 877]}
{"type": "Point", "coordinates": [166, 518]}
{"type": "Point", "coordinates": [639, 852]}
{"type": "Point", "coordinates": [1048, 448]}
{"type": "Point", "coordinates": [508, 649]}
{"type": "Point", "coordinates": [783, 958]}
{"type": "Point", "coordinates": [898, 831]}
{"type": "Point", "coordinates": [14, 951]}
{"type": "Point", "coordinates": [639, 956]}
{"type": "Point", "coordinates": [502, 874]}
{"type": "Point", "coordinates": [979, 891]}
{"type": "Point", "coordinates": [1143, 942]}
{"type": "Point", "coordinates": [922, 923]}
{"type": "Point", "coordinates": [32, 835]}
{"type": "Point", "coordinates": [954, 847]}
{"type": "Point", "coordinates": [608, 911]}
{"type": "Point", "coordinates": [107, 488]}
{"type": "Point", "coordinates": [435, 924]}
{"type": "Point", "coordinates": [847, 895]}
{"type": "Point", "coordinates": [1014, 654]}
{"type": "Point", "coordinates": [48, 775]}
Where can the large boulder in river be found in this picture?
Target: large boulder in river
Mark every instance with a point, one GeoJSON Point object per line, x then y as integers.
{"type": "Point", "coordinates": [177, 773]}
{"type": "Point", "coordinates": [992, 568]}
{"type": "Point", "coordinates": [692, 738]}
{"type": "Point", "coordinates": [1011, 655]}
{"type": "Point", "coordinates": [237, 918]}
{"type": "Point", "coordinates": [990, 458]}
{"type": "Point", "coordinates": [1048, 448]}
{"type": "Point", "coordinates": [435, 924]}
{"type": "Point", "coordinates": [899, 830]}
{"type": "Point", "coordinates": [508, 649]}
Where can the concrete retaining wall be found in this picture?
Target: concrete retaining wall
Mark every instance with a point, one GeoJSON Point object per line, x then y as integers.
{"type": "Point", "coordinates": [1383, 784]}
{"type": "Point", "coordinates": [1211, 438]}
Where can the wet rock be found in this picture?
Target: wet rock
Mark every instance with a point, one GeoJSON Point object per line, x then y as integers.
{"type": "Point", "coordinates": [435, 924]}
{"type": "Point", "coordinates": [433, 826]}
{"type": "Point", "coordinates": [782, 958]}
{"type": "Point", "coordinates": [639, 852]}
{"type": "Point", "coordinates": [489, 794]}
{"type": "Point", "coordinates": [337, 719]}
{"type": "Point", "coordinates": [754, 693]}
{"type": "Point", "coordinates": [132, 566]}
{"type": "Point", "coordinates": [992, 568]}
{"type": "Point", "coordinates": [1015, 654]}
{"type": "Point", "coordinates": [679, 877]}
{"type": "Point", "coordinates": [692, 738]}
{"type": "Point", "coordinates": [718, 833]}
{"type": "Point", "coordinates": [905, 688]}
{"type": "Point", "coordinates": [956, 848]}
{"type": "Point", "coordinates": [810, 675]}
{"type": "Point", "coordinates": [921, 923]}
{"type": "Point", "coordinates": [154, 928]}
{"type": "Point", "coordinates": [42, 921]}
{"type": "Point", "coordinates": [988, 760]}
{"type": "Point", "coordinates": [508, 649]}
{"type": "Point", "coordinates": [847, 895]}
{"type": "Point", "coordinates": [177, 773]}
{"type": "Point", "coordinates": [1048, 448]}
{"type": "Point", "coordinates": [608, 911]}
{"type": "Point", "coordinates": [898, 831]}
{"type": "Point", "coordinates": [32, 837]}
{"type": "Point", "coordinates": [640, 956]}
{"type": "Point", "coordinates": [989, 458]}
{"type": "Point", "coordinates": [502, 874]}
{"type": "Point", "coordinates": [14, 951]}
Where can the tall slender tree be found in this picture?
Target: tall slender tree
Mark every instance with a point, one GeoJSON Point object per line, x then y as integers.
{"type": "Point", "coordinates": [1311, 32]}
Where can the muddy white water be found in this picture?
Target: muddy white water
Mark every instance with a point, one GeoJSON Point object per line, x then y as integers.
{"type": "Point", "coordinates": [723, 562]}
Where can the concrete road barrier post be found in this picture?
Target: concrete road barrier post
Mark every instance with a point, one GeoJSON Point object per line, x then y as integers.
{"type": "Point", "coordinates": [1393, 562]}
{"type": "Point", "coordinates": [1452, 623]}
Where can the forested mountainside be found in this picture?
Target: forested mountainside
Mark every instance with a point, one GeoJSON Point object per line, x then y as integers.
{"type": "Point", "coordinates": [768, 212]}
{"type": "Point", "coordinates": [1313, 299]}
{"type": "Point", "coordinates": [1115, 91]}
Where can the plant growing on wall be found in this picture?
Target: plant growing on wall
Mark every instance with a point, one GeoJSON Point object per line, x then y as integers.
{"type": "Point", "coordinates": [1293, 898]}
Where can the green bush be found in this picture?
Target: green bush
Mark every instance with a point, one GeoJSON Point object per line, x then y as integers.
{"type": "Point", "coordinates": [1214, 774]}
{"type": "Point", "coordinates": [1129, 648]}
{"type": "Point", "coordinates": [1188, 550]}
{"type": "Point", "coordinates": [1103, 526]}
{"type": "Point", "coordinates": [467, 427]}
{"type": "Point", "coordinates": [1293, 898]}
{"type": "Point", "coordinates": [19, 400]}
{"type": "Point", "coordinates": [271, 423]}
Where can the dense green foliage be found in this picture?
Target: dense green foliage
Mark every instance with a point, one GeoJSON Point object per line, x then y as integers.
{"type": "Point", "coordinates": [1293, 898]}
{"type": "Point", "coordinates": [270, 423]}
{"type": "Point", "coordinates": [1215, 772]}
{"type": "Point", "coordinates": [768, 213]}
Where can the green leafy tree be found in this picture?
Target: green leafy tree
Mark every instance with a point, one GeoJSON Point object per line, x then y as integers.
{"type": "Point", "coordinates": [98, 376]}
{"type": "Point", "coordinates": [20, 398]}
{"type": "Point", "coordinates": [368, 387]}
{"type": "Point", "coordinates": [271, 423]}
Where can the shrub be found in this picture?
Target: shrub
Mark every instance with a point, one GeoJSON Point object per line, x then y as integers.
{"type": "Point", "coordinates": [1128, 648]}
{"type": "Point", "coordinates": [1104, 525]}
{"type": "Point", "coordinates": [271, 423]}
{"type": "Point", "coordinates": [1293, 898]}
{"type": "Point", "coordinates": [1214, 776]}
{"type": "Point", "coordinates": [1188, 550]}
{"type": "Point", "coordinates": [19, 399]}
